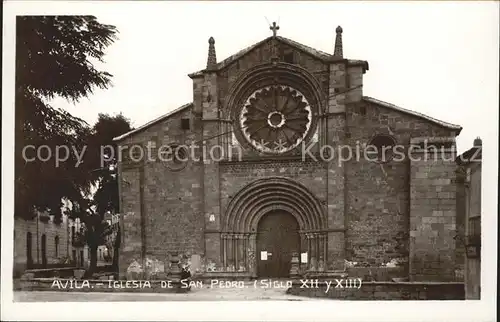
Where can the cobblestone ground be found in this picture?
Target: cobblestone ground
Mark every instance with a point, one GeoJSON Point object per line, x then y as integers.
{"type": "Point", "coordinates": [206, 293]}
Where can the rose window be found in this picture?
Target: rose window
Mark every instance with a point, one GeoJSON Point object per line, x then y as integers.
{"type": "Point", "coordinates": [275, 119]}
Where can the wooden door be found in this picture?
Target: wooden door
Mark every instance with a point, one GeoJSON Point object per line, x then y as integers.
{"type": "Point", "coordinates": [278, 238]}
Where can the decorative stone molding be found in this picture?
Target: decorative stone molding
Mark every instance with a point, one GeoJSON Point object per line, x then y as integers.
{"type": "Point", "coordinates": [275, 119]}
{"type": "Point", "coordinates": [272, 74]}
{"type": "Point", "coordinates": [263, 195]}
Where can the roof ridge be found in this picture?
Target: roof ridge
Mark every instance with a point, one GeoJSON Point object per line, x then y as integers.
{"type": "Point", "coordinates": [152, 122]}
{"type": "Point", "coordinates": [414, 113]}
{"type": "Point", "coordinates": [310, 49]}
{"type": "Point", "coordinates": [240, 53]}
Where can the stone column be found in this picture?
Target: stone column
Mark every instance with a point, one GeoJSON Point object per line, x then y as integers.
{"type": "Point", "coordinates": [309, 251]}
{"type": "Point", "coordinates": [321, 253]}
{"type": "Point", "coordinates": [236, 251]}
{"type": "Point", "coordinates": [325, 247]}
{"type": "Point", "coordinates": [241, 252]}
{"type": "Point", "coordinates": [252, 262]}
{"type": "Point", "coordinates": [245, 255]}
{"type": "Point", "coordinates": [230, 252]}
{"type": "Point", "coordinates": [224, 252]}
{"type": "Point", "coordinates": [313, 242]}
{"type": "Point", "coordinates": [303, 248]}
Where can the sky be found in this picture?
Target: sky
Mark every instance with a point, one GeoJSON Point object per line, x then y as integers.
{"type": "Point", "coordinates": [440, 59]}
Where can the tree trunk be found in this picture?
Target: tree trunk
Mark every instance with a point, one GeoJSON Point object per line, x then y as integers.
{"type": "Point", "coordinates": [116, 251]}
{"type": "Point", "coordinates": [93, 259]}
{"type": "Point", "coordinates": [115, 260]}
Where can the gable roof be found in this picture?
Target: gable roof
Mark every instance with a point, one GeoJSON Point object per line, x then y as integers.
{"type": "Point", "coordinates": [365, 98]}
{"type": "Point", "coordinates": [153, 122]}
{"type": "Point", "coordinates": [321, 55]}
{"type": "Point", "coordinates": [474, 154]}
{"type": "Point", "coordinates": [450, 126]}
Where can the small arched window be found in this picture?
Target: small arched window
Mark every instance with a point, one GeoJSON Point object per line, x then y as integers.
{"type": "Point", "coordinates": [56, 245]}
{"type": "Point", "coordinates": [73, 233]}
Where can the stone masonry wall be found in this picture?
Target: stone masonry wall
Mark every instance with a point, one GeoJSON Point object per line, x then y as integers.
{"type": "Point", "coordinates": [210, 135]}
{"type": "Point", "coordinates": [384, 291]}
{"type": "Point", "coordinates": [50, 230]}
{"type": "Point", "coordinates": [131, 222]}
{"type": "Point", "coordinates": [473, 264]}
{"type": "Point", "coordinates": [432, 218]}
{"type": "Point", "coordinates": [262, 54]}
{"type": "Point", "coordinates": [461, 204]}
{"type": "Point", "coordinates": [160, 200]}
{"type": "Point", "coordinates": [378, 195]}
{"type": "Point", "coordinates": [370, 201]}
{"type": "Point", "coordinates": [311, 174]}
{"type": "Point", "coordinates": [230, 178]}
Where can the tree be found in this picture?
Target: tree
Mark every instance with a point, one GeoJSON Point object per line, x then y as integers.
{"type": "Point", "coordinates": [54, 57]}
{"type": "Point", "coordinates": [94, 231]}
{"type": "Point", "coordinates": [103, 148]}
{"type": "Point", "coordinates": [105, 198]}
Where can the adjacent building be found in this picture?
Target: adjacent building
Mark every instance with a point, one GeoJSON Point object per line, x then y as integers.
{"type": "Point", "coordinates": [44, 243]}
{"type": "Point", "coordinates": [469, 208]}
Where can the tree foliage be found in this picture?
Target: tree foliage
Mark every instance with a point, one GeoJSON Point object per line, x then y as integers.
{"type": "Point", "coordinates": [92, 210]}
{"type": "Point", "coordinates": [54, 58]}
{"type": "Point", "coordinates": [106, 128]}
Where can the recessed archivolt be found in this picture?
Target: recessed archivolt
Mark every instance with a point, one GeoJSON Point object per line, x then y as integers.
{"type": "Point", "coordinates": [265, 195]}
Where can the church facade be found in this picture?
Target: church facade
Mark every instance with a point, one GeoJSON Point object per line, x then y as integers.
{"type": "Point", "coordinates": [267, 176]}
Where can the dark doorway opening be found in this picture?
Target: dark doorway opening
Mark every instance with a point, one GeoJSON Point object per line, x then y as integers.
{"type": "Point", "coordinates": [29, 250]}
{"type": "Point", "coordinates": [277, 239]}
{"type": "Point", "coordinates": [44, 251]}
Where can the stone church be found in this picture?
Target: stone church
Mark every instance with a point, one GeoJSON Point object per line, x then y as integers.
{"type": "Point", "coordinates": [289, 204]}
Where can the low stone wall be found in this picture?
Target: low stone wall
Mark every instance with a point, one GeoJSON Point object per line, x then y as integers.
{"type": "Point", "coordinates": [379, 274]}
{"type": "Point", "coordinates": [82, 285]}
{"type": "Point", "coordinates": [384, 291]}
{"type": "Point", "coordinates": [51, 272]}
{"type": "Point", "coordinates": [230, 276]}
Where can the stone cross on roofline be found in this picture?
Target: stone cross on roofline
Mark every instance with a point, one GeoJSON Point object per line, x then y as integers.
{"type": "Point", "coordinates": [274, 27]}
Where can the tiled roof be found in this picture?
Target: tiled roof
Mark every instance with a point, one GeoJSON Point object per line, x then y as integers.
{"type": "Point", "coordinates": [155, 121]}
{"type": "Point", "coordinates": [365, 98]}
{"type": "Point", "coordinates": [314, 52]}
{"type": "Point", "coordinates": [474, 154]}
{"type": "Point", "coordinates": [410, 112]}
